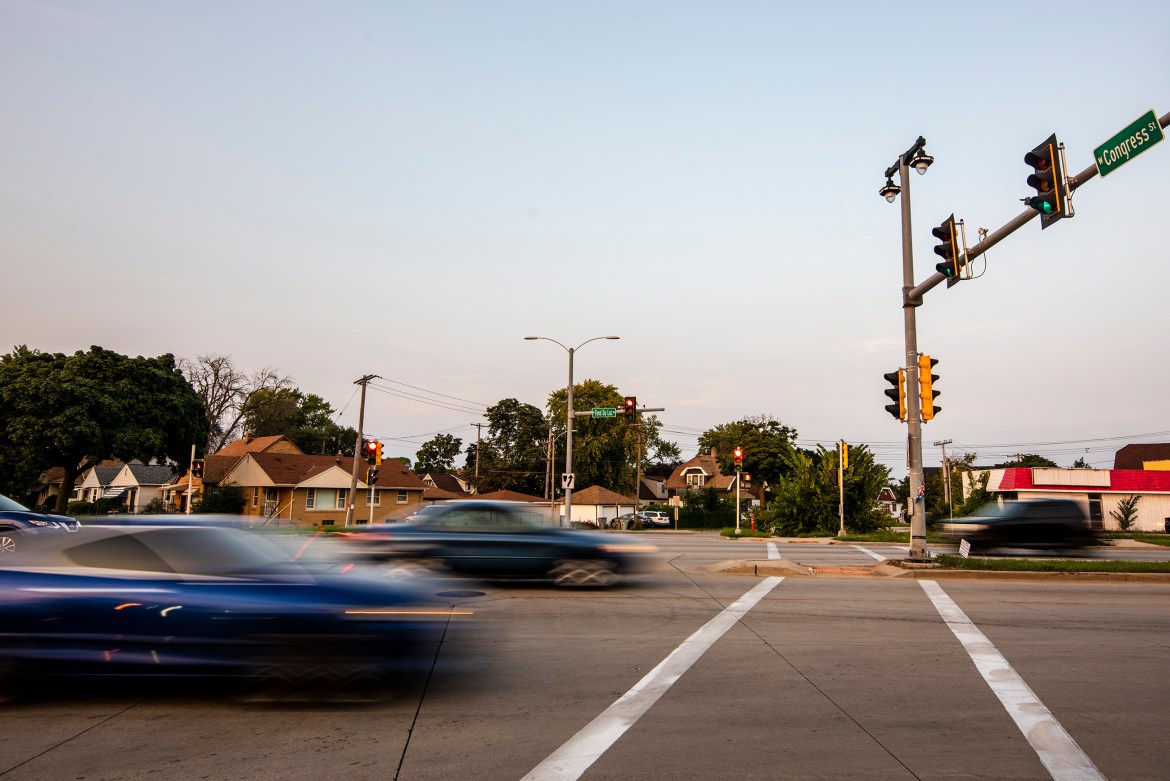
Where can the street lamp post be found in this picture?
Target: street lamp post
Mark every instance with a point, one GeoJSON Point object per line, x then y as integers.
{"type": "Point", "coordinates": [917, 158]}
{"type": "Point", "coordinates": [569, 418]}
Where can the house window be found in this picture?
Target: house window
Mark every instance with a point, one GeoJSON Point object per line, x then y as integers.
{"type": "Point", "coordinates": [311, 499]}
{"type": "Point", "coordinates": [376, 495]}
{"type": "Point", "coordinates": [402, 497]}
{"type": "Point", "coordinates": [342, 496]}
{"type": "Point", "coordinates": [1095, 511]}
{"type": "Point", "coordinates": [255, 497]}
{"type": "Point", "coordinates": [696, 478]}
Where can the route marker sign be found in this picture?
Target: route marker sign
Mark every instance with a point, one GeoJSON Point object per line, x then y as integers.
{"type": "Point", "coordinates": [1137, 137]}
{"type": "Point", "coordinates": [605, 412]}
{"type": "Point", "coordinates": [568, 479]}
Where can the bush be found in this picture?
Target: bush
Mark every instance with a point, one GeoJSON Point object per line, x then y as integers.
{"type": "Point", "coordinates": [81, 508]}
{"type": "Point", "coordinates": [227, 499]}
{"type": "Point", "coordinates": [154, 507]}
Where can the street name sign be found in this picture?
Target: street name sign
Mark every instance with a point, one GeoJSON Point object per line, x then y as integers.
{"type": "Point", "coordinates": [1137, 137]}
{"type": "Point", "coordinates": [605, 412]}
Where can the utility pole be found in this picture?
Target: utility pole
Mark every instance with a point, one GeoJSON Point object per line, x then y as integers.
{"type": "Point", "coordinates": [357, 448]}
{"type": "Point", "coordinates": [946, 476]}
{"type": "Point", "coordinates": [478, 439]}
{"type": "Point", "coordinates": [842, 449]}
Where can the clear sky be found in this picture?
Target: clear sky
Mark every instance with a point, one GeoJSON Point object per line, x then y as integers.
{"type": "Point", "coordinates": [408, 189]}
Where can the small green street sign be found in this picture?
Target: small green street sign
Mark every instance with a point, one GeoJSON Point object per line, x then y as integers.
{"type": "Point", "coordinates": [605, 412]}
{"type": "Point", "coordinates": [1137, 137]}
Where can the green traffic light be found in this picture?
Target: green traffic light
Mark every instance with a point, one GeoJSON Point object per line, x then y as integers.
{"type": "Point", "coordinates": [946, 269]}
{"type": "Point", "coordinates": [1042, 205]}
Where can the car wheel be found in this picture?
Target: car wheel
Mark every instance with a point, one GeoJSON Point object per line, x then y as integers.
{"type": "Point", "coordinates": [588, 572]}
{"type": "Point", "coordinates": [9, 541]}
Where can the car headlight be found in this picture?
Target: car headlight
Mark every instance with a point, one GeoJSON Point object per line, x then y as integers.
{"type": "Point", "coordinates": [35, 522]}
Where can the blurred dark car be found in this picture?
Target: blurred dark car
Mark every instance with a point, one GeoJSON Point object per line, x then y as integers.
{"type": "Point", "coordinates": [19, 525]}
{"type": "Point", "coordinates": [1028, 523]}
{"type": "Point", "coordinates": [206, 601]}
{"type": "Point", "coordinates": [494, 540]}
{"type": "Point", "coordinates": [648, 519]}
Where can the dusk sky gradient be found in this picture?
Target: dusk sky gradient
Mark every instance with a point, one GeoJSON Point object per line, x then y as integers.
{"type": "Point", "coordinates": [409, 189]}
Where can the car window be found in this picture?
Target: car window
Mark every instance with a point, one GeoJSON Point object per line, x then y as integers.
{"type": "Point", "coordinates": [203, 550]}
{"type": "Point", "coordinates": [8, 505]}
{"type": "Point", "coordinates": [121, 551]}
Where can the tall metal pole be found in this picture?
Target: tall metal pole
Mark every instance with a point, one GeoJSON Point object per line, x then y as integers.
{"type": "Point", "coordinates": [569, 446]}
{"type": "Point", "coordinates": [917, 500]}
{"type": "Point", "coordinates": [841, 487]}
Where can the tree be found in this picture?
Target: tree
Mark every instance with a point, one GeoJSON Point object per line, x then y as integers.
{"type": "Point", "coordinates": [73, 411]}
{"type": "Point", "coordinates": [604, 449]}
{"type": "Point", "coordinates": [226, 392]}
{"type": "Point", "coordinates": [1027, 460]}
{"type": "Point", "coordinates": [767, 446]}
{"type": "Point", "coordinates": [805, 500]}
{"type": "Point", "coordinates": [314, 431]}
{"type": "Point", "coordinates": [438, 454]}
{"type": "Point", "coordinates": [512, 455]}
{"type": "Point", "coordinates": [1126, 512]}
{"type": "Point", "coordinates": [1081, 463]}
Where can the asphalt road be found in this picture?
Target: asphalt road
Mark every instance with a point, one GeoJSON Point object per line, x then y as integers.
{"type": "Point", "coordinates": [800, 677]}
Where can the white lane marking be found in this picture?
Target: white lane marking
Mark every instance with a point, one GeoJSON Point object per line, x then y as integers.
{"type": "Point", "coordinates": [1061, 755]}
{"type": "Point", "coordinates": [773, 551]}
{"type": "Point", "coordinates": [868, 552]}
{"type": "Point", "coordinates": [579, 752]}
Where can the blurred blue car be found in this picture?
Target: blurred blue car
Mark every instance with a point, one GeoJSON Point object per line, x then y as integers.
{"type": "Point", "coordinates": [18, 524]}
{"type": "Point", "coordinates": [207, 601]}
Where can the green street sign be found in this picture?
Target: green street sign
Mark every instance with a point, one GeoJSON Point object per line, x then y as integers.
{"type": "Point", "coordinates": [605, 412]}
{"type": "Point", "coordinates": [1140, 135]}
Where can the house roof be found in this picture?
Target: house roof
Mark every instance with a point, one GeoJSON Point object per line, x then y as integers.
{"type": "Point", "coordinates": [595, 494]}
{"type": "Point", "coordinates": [704, 461]}
{"type": "Point", "coordinates": [1130, 481]}
{"type": "Point", "coordinates": [151, 474]}
{"type": "Point", "coordinates": [446, 482]}
{"type": "Point", "coordinates": [431, 494]}
{"type": "Point", "coordinates": [290, 469]}
{"type": "Point", "coordinates": [250, 444]}
{"type": "Point", "coordinates": [1135, 456]}
{"type": "Point", "coordinates": [509, 496]}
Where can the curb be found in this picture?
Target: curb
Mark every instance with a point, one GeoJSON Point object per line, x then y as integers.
{"type": "Point", "coordinates": [883, 570]}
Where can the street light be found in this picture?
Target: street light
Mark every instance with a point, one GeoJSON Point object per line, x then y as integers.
{"type": "Point", "coordinates": [915, 157]}
{"type": "Point", "coordinates": [569, 417]}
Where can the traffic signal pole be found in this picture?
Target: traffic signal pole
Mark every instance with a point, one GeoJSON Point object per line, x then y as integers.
{"type": "Point", "coordinates": [916, 503]}
{"type": "Point", "coordinates": [358, 455]}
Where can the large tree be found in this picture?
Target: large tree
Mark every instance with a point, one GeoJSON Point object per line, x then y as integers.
{"type": "Point", "coordinates": [512, 455]}
{"type": "Point", "coordinates": [767, 447]}
{"type": "Point", "coordinates": [605, 450]}
{"type": "Point", "coordinates": [73, 411]}
{"type": "Point", "coordinates": [228, 393]}
{"type": "Point", "coordinates": [437, 455]}
{"type": "Point", "coordinates": [805, 500]}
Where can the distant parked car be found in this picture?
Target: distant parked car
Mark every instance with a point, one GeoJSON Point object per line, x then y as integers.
{"type": "Point", "coordinates": [19, 525]}
{"type": "Point", "coordinates": [656, 519]}
{"type": "Point", "coordinates": [1028, 523]}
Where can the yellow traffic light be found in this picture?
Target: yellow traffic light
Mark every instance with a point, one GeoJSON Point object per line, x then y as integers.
{"type": "Point", "coordinates": [927, 393]}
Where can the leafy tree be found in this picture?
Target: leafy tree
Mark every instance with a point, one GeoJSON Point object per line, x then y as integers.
{"type": "Point", "coordinates": [1126, 512]}
{"type": "Point", "coordinates": [438, 454]}
{"type": "Point", "coordinates": [805, 500]}
{"type": "Point", "coordinates": [512, 455]}
{"type": "Point", "coordinates": [605, 450]}
{"type": "Point", "coordinates": [305, 418]}
{"type": "Point", "coordinates": [73, 411]}
{"type": "Point", "coordinates": [1081, 463]}
{"type": "Point", "coordinates": [224, 498]}
{"type": "Point", "coordinates": [1027, 460]}
{"type": "Point", "coordinates": [272, 411]}
{"type": "Point", "coordinates": [767, 446]}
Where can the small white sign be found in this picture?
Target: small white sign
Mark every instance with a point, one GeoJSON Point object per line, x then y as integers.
{"type": "Point", "coordinates": [964, 548]}
{"type": "Point", "coordinates": [567, 480]}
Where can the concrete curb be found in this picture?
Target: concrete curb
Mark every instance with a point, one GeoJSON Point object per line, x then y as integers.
{"type": "Point", "coordinates": [782, 567]}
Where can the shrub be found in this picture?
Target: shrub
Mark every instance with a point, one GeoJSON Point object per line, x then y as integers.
{"type": "Point", "coordinates": [154, 507]}
{"type": "Point", "coordinates": [228, 499]}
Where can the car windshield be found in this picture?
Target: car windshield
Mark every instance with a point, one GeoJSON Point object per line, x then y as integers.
{"type": "Point", "coordinates": [7, 505]}
{"type": "Point", "coordinates": [178, 549]}
{"type": "Point", "coordinates": [484, 519]}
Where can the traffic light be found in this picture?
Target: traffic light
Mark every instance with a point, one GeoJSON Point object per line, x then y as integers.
{"type": "Point", "coordinates": [378, 453]}
{"type": "Point", "coordinates": [738, 459]}
{"type": "Point", "coordinates": [197, 468]}
{"type": "Point", "coordinates": [1047, 179]}
{"type": "Point", "coordinates": [948, 248]}
{"type": "Point", "coordinates": [371, 475]}
{"type": "Point", "coordinates": [371, 451]}
{"type": "Point", "coordinates": [631, 407]}
{"type": "Point", "coordinates": [926, 386]}
{"type": "Point", "coordinates": [844, 455]}
{"type": "Point", "coordinates": [897, 393]}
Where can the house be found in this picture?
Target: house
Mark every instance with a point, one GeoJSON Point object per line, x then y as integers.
{"type": "Point", "coordinates": [504, 495]}
{"type": "Point", "coordinates": [313, 490]}
{"type": "Point", "coordinates": [1152, 455]}
{"type": "Point", "coordinates": [48, 487]}
{"type": "Point", "coordinates": [597, 505]}
{"type": "Point", "coordinates": [219, 463]}
{"type": "Point", "coordinates": [139, 484]}
{"type": "Point", "coordinates": [702, 472]}
{"type": "Point", "coordinates": [1097, 491]}
{"type": "Point", "coordinates": [96, 480]}
{"type": "Point", "coordinates": [888, 500]}
{"type": "Point", "coordinates": [652, 490]}
{"type": "Point", "coordinates": [444, 488]}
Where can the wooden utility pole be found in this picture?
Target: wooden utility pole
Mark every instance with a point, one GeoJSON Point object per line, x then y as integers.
{"type": "Point", "coordinates": [357, 449]}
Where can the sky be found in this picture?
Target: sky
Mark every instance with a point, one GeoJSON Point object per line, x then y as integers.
{"type": "Point", "coordinates": [408, 189]}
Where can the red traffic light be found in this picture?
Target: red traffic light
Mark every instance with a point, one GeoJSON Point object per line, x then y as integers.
{"type": "Point", "coordinates": [631, 406]}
